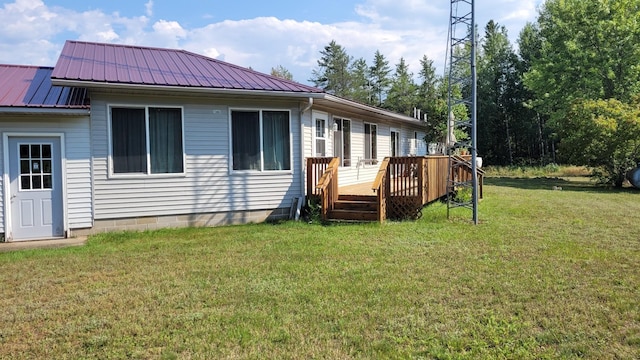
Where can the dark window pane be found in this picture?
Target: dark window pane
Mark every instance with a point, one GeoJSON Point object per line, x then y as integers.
{"type": "Point", "coordinates": [320, 147]}
{"type": "Point", "coordinates": [24, 151]}
{"type": "Point", "coordinates": [46, 151]}
{"type": "Point", "coordinates": [245, 134]}
{"type": "Point", "coordinates": [374, 142]}
{"type": "Point", "coordinates": [24, 167]}
{"type": "Point", "coordinates": [165, 140]}
{"type": "Point", "coordinates": [46, 166]}
{"type": "Point", "coordinates": [346, 134]}
{"type": "Point", "coordinates": [37, 181]}
{"type": "Point", "coordinates": [35, 151]}
{"type": "Point", "coordinates": [128, 136]}
{"type": "Point", "coordinates": [36, 166]}
{"type": "Point", "coordinates": [46, 182]}
{"type": "Point", "coordinates": [275, 132]}
{"type": "Point", "coordinates": [25, 182]}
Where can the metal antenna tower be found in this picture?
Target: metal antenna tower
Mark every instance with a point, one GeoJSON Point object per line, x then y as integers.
{"type": "Point", "coordinates": [462, 77]}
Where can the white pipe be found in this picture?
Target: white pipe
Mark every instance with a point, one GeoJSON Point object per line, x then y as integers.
{"type": "Point", "coordinates": [303, 167]}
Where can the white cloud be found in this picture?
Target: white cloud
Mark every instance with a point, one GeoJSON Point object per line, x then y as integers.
{"type": "Point", "coordinates": [149, 8]}
{"type": "Point", "coordinates": [33, 32]}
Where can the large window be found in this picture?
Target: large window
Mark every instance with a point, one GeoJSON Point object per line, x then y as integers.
{"type": "Point", "coordinates": [146, 140]}
{"type": "Point", "coordinates": [371, 142]}
{"type": "Point", "coordinates": [342, 140]}
{"type": "Point", "coordinates": [260, 140]}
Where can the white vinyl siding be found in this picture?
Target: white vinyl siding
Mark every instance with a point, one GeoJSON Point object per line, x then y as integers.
{"type": "Point", "coordinates": [207, 185]}
{"type": "Point", "coordinates": [78, 161]}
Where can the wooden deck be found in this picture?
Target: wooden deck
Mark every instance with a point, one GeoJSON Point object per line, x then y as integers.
{"type": "Point", "coordinates": [401, 188]}
{"type": "Point", "coordinates": [357, 189]}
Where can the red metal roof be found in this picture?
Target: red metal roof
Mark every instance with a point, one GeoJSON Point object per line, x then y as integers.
{"type": "Point", "coordinates": [30, 86]}
{"type": "Point", "coordinates": [124, 64]}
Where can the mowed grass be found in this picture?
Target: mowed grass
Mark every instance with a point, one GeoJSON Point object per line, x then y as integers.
{"type": "Point", "coordinates": [546, 274]}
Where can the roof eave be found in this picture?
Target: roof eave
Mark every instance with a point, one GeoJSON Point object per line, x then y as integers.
{"type": "Point", "coordinates": [26, 110]}
{"type": "Point", "coordinates": [371, 109]}
{"type": "Point", "coordinates": [183, 89]}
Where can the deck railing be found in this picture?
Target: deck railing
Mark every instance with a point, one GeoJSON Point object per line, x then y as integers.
{"type": "Point", "coordinates": [327, 187]}
{"type": "Point", "coordinates": [316, 166]}
{"type": "Point", "coordinates": [402, 185]}
{"type": "Point", "coordinates": [381, 187]}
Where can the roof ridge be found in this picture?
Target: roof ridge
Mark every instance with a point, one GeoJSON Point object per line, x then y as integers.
{"type": "Point", "coordinates": [121, 45]}
{"type": "Point", "coordinates": [27, 66]}
{"type": "Point", "coordinates": [200, 56]}
{"type": "Point", "coordinates": [292, 82]}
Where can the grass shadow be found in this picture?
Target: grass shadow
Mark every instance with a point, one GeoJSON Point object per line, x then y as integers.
{"type": "Point", "coordinates": [582, 184]}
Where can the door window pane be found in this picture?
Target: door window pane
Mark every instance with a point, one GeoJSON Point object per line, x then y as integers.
{"type": "Point", "coordinates": [35, 167]}
{"type": "Point", "coordinates": [24, 151]}
{"type": "Point", "coordinates": [37, 181]}
{"type": "Point", "coordinates": [47, 182]}
{"type": "Point", "coordinates": [46, 150]}
{"type": "Point", "coordinates": [25, 182]}
{"type": "Point", "coordinates": [35, 151]}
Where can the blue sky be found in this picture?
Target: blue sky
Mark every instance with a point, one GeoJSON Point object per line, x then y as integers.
{"type": "Point", "coordinates": [260, 34]}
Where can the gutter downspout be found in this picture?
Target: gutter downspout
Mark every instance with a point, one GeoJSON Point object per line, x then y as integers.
{"type": "Point", "coordinates": [304, 168]}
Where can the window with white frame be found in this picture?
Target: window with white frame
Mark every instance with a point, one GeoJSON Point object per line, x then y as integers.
{"type": "Point", "coordinates": [321, 141]}
{"type": "Point", "coordinates": [371, 142]}
{"type": "Point", "coordinates": [260, 140]}
{"type": "Point", "coordinates": [342, 141]}
{"type": "Point", "coordinates": [147, 140]}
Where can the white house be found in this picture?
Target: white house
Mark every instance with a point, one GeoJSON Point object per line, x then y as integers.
{"type": "Point", "coordinates": [125, 137]}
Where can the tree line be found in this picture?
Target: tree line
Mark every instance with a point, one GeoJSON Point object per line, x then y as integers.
{"type": "Point", "coordinates": [570, 93]}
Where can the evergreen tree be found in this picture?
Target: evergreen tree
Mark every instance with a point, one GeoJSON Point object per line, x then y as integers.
{"type": "Point", "coordinates": [498, 101]}
{"type": "Point", "coordinates": [431, 102]}
{"type": "Point", "coordinates": [402, 97]}
{"type": "Point", "coordinates": [332, 74]}
{"type": "Point", "coordinates": [360, 86]}
{"type": "Point", "coordinates": [380, 80]}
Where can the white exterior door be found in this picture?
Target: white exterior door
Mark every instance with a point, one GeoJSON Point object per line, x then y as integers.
{"type": "Point", "coordinates": [35, 171]}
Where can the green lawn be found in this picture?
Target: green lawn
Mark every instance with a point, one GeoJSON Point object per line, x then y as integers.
{"type": "Point", "coordinates": [546, 274]}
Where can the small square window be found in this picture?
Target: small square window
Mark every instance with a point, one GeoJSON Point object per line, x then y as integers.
{"type": "Point", "coordinates": [47, 182]}
{"type": "Point", "coordinates": [46, 151]}
{"type": "Point", "coordinates": [24, 167]}
{"type": "Point", "coordinates": [46, 166]}
{"type": "Point", "coordinates": [35, 151]}
{"type": "Point", "coordinates": [37, 182]}
{"type": "Point", "coordinates": [25, 182]}
{"type": "Point", "coordinates": [24, 151]}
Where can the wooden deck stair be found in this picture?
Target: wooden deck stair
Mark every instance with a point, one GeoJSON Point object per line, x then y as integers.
{"type": "Point", "coordinates": [355, 208]}
{"type": "Point", "coordinates": [402, 187]}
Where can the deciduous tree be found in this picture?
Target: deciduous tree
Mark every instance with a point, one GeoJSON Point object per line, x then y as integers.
{"type": "Point", "coordinates": [604, 135]}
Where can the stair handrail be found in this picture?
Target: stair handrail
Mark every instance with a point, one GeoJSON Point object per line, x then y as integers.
{"type": "Point", "coordinates": [381, 187]}
{"type": "Point", "coordinates": [316, 166]}
{"type": "Point", "coordinates": [465, 172]}
{"type": "Point", "coordinates": [328, 187]}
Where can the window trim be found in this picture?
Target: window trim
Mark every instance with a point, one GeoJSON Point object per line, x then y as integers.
{"type": "Point", "coordinates": [319, 115]}
{"type": "Point", "coordinates": [114, 175]}
{"type": "Point", "coordinates": [262, 171]}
